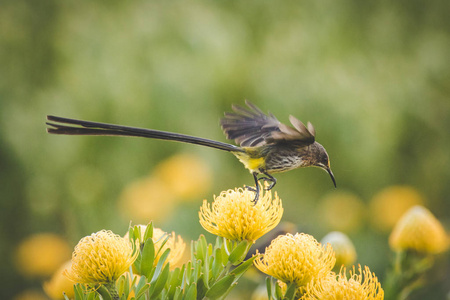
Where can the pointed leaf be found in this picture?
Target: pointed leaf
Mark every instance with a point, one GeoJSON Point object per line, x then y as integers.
{"type": "Point", "coordinates": [220, 287]}
{"type": "Point", "coordinates": [290, 291]}
{"type": "Point", "coordinates": [217, 265]}
{"type": "Point", "coordinates": [240, 270]}
{"type": "Point", "coordinates": [201, 248]}
{"type": "Point", "coordinates": [178, 295]}
{"type": "Point", "coordinates": [148, 234]}
{"type": "Point", "coordinates": [160, 265]}
{"type": "Point", "coordinates": [78, 292]}
{"type": "Point", "coordinates": [174, 281]}
{"type": "Point", "coordinates": [191, 293]}
{"type": "Point", "coordinates": [269, 288]}
{"type": "Point", "coordinates": [92, 296]}
{"type": "Point", "coordinates": [141, 284]}
{"type": "Point", "coordinates": [103, 291]}
{"type": "Point", "coordinates": [278, 291]}
{"type": "Point", "coordinates": [205, 267]}
{"type": "Point", "coordinates": [148, 258]}
{"type": "Point", "coordinates": [238, 253]}
{"type": "Point", "coordinates": [201, 288]}
{"type": "Point", "coordinates": [160, 281]}
{"type": "Point", "coordinates": [140, 293]}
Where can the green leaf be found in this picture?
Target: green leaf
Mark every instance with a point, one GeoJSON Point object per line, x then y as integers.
{"type": "Point", "coordinates": [141, 284]}
{"type": "Point", "coordinates": [239, 253]}
{"type": "Point", "coordinates": [92, 295]}
{"type": "Point", "coordinates": [160, 265]}
{"type": "Point", "coordinates": [131, 234]}
{"type": "Point", "coordinates": [160, 282]}
{"type": "Point", "coordinates": [269, 288]}
{"type": "Point", "coordinates": [178, 295]}
{"type": "Point", "coordinates": [217, 265]}
{"type": "Point", "coordinates": [240, 270]}
{"type": "Point", "coordinates": [103, 291]}
{"type": "Point", "coordinates": [140, 292]}
{"type": "Point", "coordinates": [174, 281]}
{"type": "Point", "coordinates": [137, 233]}
{"type": "Point", "coordinates": [220, 287]}
{"type": "Point", "coordinates": [191, 293]}
{"type": "Point", "coordinates": [201, 248]}
{"type": "Point", "coordinates": [123, 284]}
{"type": "Point", "coordinates": [205, 270]}
{"type": "Point", "coordinates": [201, 288]}
{"type": "Point", "coordinates": [148, 232]}
{"type": "Point", "coordinates": [224, 254]}
{"type": "Point", "coordinates": [78, 292]}
{"type": "Point", "coordinates": [290, 291]}
{"type": "Point", "coordinates": [278, 291]}
{"type": "Point", "coordinates": [148, 258]}
{"type": "Point", "coordinates": [187, 274]}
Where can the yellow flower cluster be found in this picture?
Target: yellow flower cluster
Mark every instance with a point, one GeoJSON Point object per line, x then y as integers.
{"type": "Point", "coordinates": [296, 259]}
{"type": "Point", "coordinates": [363, 285]}
{"type": "Point", "coordinates": [100, 258]}
{"type": "Point", "coordinates": [234, 216]}
{"type": "Point", "coordinates": [420, 231]}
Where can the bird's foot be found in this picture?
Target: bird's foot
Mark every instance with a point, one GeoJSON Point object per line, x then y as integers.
{"type": "Point", "coordinates": [270, 179]}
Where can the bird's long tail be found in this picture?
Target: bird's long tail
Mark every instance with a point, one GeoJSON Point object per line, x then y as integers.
{"type": "Point", "coordinates": [79, 127]}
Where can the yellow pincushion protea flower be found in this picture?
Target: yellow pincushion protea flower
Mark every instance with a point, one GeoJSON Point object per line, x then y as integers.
{"type": "Point", "coordinates": [234, 216]}
{"type": "Point", "coordinates": [174, 243]}
{"type": "Point", "coordinates": [343, 248]}
{"type": "Point", "coordinates": [361, 286]}
{"type": "Point", "coordinates": [420, 231]}
{"type": "Point", "coordinates": [100, 258]}
{"type": "Point", "coordinates": [296, 259]}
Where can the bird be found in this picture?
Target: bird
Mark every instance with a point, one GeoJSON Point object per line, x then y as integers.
{"type": "Point", "coordinates": [265, 146]}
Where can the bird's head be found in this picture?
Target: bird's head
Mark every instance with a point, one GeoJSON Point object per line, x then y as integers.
{"type": "Point", "coordinates": [320, 159]}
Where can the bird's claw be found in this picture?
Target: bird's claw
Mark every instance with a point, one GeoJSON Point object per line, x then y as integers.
{"type": "Point", "coordinates": [256, 190]}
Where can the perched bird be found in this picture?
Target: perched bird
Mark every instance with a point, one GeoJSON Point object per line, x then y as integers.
{"type": "Point", "coordinates": [266, 145]}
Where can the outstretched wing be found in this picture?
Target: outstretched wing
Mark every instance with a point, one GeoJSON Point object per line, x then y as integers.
{"type": "Point", "coordinates": [250, 127]}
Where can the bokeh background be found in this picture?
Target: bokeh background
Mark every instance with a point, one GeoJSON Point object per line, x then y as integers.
{"type": "Point", "coordinates": [372, 76]}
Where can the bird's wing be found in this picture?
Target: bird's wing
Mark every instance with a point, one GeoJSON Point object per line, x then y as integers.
{"type": "Point", "coordinates": [250, 127]}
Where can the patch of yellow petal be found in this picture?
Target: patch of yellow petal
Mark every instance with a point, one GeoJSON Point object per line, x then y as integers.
{"type": "Point", "coordinates": [361, 286]}
{"type": "Point", "coordinates": [296, 258]}
{"type": "Point", "coordinates": [100, 258]}
{"type": "Point", "coordinates": [234, 216]}
{"type": "Point", "coordinates": [419, 230]}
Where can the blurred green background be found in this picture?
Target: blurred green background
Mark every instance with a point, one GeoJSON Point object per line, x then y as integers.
{"type": "Point", "coordinates": [372, 76]}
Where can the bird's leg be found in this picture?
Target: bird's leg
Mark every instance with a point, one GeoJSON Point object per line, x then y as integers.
{"type": "Point", "coordinates": [269, 178]}
{"type": "Point", "coordinates": [255, 189]}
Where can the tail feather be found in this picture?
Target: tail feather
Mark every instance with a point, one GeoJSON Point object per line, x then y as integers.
{"type": "Point", "coordinates": [80, 127]}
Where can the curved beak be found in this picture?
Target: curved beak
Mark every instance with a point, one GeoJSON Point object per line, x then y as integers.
{"type": "Point", "coordinates": [331, 175]}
